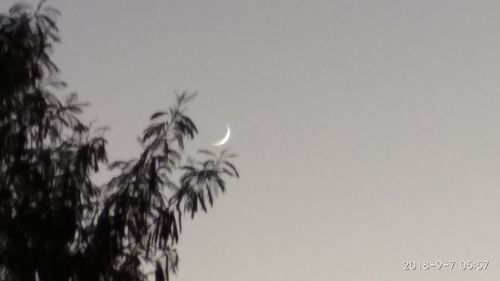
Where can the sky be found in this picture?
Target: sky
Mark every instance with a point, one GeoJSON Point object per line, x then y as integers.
{"type": "Point", "coordinates": [367, 131]}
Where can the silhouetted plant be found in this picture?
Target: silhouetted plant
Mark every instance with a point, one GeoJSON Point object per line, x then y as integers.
{"type": "Point", "coordinates": [55, 224]}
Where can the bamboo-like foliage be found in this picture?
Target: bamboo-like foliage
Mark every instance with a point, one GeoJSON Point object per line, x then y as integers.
{"type": "Point", "coordinates": [55, 224]}
{"type": "Point", "coordinates": [47, 156]}
{"type": "Point", "coordinates": [145, 205]}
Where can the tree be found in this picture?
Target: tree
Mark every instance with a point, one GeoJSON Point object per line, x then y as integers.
{"type": "Point", "coordinates": [55, 223]}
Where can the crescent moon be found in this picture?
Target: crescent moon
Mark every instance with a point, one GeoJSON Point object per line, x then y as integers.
{"type": "Point", "coordinates": [225, 138]}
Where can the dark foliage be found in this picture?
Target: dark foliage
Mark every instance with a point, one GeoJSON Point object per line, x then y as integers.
{"type": "Point", "coordinates": [55, 224]}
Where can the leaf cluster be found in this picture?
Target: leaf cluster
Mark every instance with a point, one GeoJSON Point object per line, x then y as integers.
{"type": "Point", "coordinates": [147, 201]}
{"type": "Point", "coordinates": [55, 223]}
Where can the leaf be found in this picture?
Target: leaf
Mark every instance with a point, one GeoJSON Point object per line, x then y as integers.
{"type": "Point", "coordinates": [159, 276]}
{"type": "Point", "coordinates": [158, 114]}
{"type": "Point", "coordinates": [210, 197]}
{"type": "Point", "coordinates": [226, 171]}
{"type": "Point", "coordinates": [166, 267]}
{"type": "Point", "coordinates": [19, 7]}
{"type": "Point", "coordinates": [233, 168]}
{"type": "Point", "coordinates": [206, 152]}
{"type": "Point", "coordinates": [202, 202]}
{"type": "Point", "coordinates": [153, 130]}
{"type": "Point", "coordinates": [221, 184]}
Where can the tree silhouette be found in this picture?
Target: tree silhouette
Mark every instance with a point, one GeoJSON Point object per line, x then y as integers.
{"type": "Point", "coordinates": [55, 223]}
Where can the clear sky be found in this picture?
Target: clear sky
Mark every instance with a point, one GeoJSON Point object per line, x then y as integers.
{"type": "Point", "coordinates": [368, 131]}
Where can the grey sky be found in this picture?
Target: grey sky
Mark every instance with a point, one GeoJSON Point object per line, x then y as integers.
{"type": "Point", "coordinates": [368, 131]}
